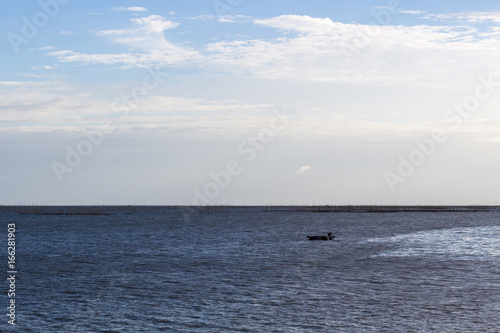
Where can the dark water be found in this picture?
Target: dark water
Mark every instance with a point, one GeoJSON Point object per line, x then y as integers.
{"type": "Point", "coordinates": [399, 272]}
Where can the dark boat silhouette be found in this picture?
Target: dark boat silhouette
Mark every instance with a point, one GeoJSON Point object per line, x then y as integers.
{"type": "Point", "coordinates": [327, 237]}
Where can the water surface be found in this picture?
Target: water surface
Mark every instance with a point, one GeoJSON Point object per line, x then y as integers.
{"type": "Point", "coordinates": [257, 272]}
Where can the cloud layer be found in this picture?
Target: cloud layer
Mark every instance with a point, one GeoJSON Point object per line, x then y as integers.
{"type": "Point", "coordinates": [314, 49]}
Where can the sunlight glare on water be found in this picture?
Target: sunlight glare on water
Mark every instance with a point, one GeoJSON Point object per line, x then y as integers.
{"type": "Point", "coordinates": [466, 242]}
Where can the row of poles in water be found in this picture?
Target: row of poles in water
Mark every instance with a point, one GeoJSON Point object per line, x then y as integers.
{"type": "Point", "coordinates": [147, 209]}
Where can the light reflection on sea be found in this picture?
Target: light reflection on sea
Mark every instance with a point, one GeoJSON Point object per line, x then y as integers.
{"type": "Point", "coordinates": [470, 243]}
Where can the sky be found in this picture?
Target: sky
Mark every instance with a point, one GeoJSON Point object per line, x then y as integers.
{"type": "Point", "coordinates": [249, 102]}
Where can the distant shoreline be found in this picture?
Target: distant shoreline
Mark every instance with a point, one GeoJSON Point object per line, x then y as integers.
{"type": "Point", "coordinates": [193, 210]}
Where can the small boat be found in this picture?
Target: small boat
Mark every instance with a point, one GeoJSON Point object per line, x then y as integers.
{"type": "Point", "coordinates": [327, 237]}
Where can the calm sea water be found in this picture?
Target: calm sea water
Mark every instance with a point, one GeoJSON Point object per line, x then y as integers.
{"type": "Point", "coordinates": [394, 272]}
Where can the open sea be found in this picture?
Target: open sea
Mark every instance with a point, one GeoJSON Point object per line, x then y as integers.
{"type": "Point", "coordinates": [255, 272]}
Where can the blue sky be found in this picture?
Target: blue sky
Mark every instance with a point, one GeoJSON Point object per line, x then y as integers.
{"type": "Point", "coordinates": [249, 102]}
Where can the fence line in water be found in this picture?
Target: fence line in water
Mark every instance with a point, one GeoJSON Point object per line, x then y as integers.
{"type": "Point", "coordinates": [145, 209]}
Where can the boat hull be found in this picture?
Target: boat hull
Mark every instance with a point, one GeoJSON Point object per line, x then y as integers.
{"type": "Point", "coordinates": [324, 238]}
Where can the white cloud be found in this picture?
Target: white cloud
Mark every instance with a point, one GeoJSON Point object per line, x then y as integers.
{"type": "Point", "coordinates": [66, 33]}
{"type": "Point", "coordinates": [305, 24]}
{"type": "Point", "coordinates": [43, 103]}
{"type": "Point", "coordinates": [475, 17]}
{"type": "Point", "coordinates": [130, 9]}
{"type": "Point", "coordinates": [380, 54]}
{"type": "Point", "coordinates": [145, 25]}
{"type": "Point", "coordinates": [203, 17]}
{"type": "Point", "coordinates": [47, 106]}
{"type": "Point", "coordinates": [413, 12]}
{"type": "Point", "coordinates": [303, 169]}
{"type": "Point", "coordinates": [226, 19]}
{"type": "Point", "coordinates": [40, 67]}
{"type": "Point", "coordinates": [168, 57]}
{"type": "Point", "coordinates": [45, 48]}
{"type": "Point", "coordinates": [146, 36]}
{"type": "Point", "coordinates": [315, 49]}
{"type": "Point", "coordinates": [56, 106]}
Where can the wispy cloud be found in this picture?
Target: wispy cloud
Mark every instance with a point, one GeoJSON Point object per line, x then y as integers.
{"type": "Point", "coordinates": [233, 18]}
{"type": "Point", "coordinates": [412, 12]}
{"type": "Point", "coordinates": [202, 17]}
{"type": "Point", "coordinates": [303, 169]}
{"type": "Point", "coordinates": [40, 67]}
{"type": "Point", "coordinates": [56, 106]}
{"type": "Point", "coordinates": [473, 17]}
{"type": "Point", "coordinates": [45, 48]}
{"type": "Point", "coordinates": [317, 51]}
{"type": "Point", "coordinates": [59, 106]}
{"type": "Point", "coordinates": [144, 25]}
{"type": "Point", "coordinates": [130, 9]}
{"type": "Point", "coordinates": [147, 36]}
{"type": "Point", "coordinates": [313, 49]}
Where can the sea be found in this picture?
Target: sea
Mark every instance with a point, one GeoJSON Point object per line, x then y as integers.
{"type": "Point", "coordinates": [254, 272]}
